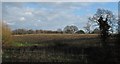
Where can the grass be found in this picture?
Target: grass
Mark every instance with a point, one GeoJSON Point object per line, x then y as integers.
{"type": "Point", "coordinates": [50, 39]}
{"type": "Point", "coordinates": [22, 44]}
{"type": "Point", "coordinates": [57, 48]}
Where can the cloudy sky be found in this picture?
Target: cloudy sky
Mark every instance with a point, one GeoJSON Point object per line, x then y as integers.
{"type": "Point", "coordinates": [51, 15]}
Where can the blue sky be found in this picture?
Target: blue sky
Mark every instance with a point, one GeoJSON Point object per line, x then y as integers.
{"type": "Point", "coordinates": [51, 15]}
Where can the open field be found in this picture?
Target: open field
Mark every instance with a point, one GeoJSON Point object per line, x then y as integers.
{"type": "Point", "coordinates": [50, 39]}
{"type": "Point", "coordinates": [83, 48]}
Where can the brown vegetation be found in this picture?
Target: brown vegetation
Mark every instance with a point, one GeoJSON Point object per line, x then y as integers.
{"type": "Point", "coordinates": [51, 38]}
{"type": "Point", "coordinates": [6, 35]}
{"type": "Point", "coordinates": [83, 48]}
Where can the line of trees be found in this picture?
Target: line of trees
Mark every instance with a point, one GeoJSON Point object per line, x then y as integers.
{"type": "Point", "coordinates": [67, 30]}
{"type": "Point", "coordinates": [24, 31]}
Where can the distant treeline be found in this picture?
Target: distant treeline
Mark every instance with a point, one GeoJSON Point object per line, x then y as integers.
{"type": "Point", "coordinates": [23, 31]}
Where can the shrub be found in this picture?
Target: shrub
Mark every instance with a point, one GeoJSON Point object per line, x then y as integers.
{"type": "Point", "coordinates": [0, 32]}
{"type": "Point", "coordinates": [6, 35]}
{"type": "Point", "coordinates": [80, 32]}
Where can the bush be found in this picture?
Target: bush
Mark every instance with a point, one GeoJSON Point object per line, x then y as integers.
{"type": "Point", "coordinates": [80, 32]}
{"type": "Point", "coordinates": [6, 35]}
{"type": "Point", "coordinates": [0, 32]}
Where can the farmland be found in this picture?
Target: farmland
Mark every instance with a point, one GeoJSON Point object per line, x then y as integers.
{"type": "Point", "coordinates": [49, 39]}
{"type": "Point", "coordinates": [83, 48]}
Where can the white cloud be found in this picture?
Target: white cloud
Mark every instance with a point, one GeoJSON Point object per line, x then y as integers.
{"type": "Point", "coordinates": [58, 15]}
{"type": "Point", "coordinates": [10, 23]}
{"type": "Point", "coordinates": [28, 13]}
{"type": "Point", "coordinates": [36, 25]}
{"type": "Point", "coordinates": [22, 19]}
{"type": "Point", "coordinates": [47, 16]}
{"type": "Point", "coordinates": [39, 20]}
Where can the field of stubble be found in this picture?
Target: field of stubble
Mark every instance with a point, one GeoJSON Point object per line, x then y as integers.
{"type": "Point", "coordinates": [83, 48]}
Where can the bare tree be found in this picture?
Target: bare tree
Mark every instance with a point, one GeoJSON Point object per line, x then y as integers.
{"type": "Point", "coordinates": [30, 31]}
{"type": "Point", "coordinates": [111, 19]}
{"type": "Point", "coordinates": [19, 31]}
{"type": "Point", "coordinates": [96, 31]}
{"type": "Point", "coordinates": [70, 29]}
{"type": "Point", "coordinates": [87, 27]}
{"type": "Point", "coordinates": [59, 30]}
{"type": "Point", "coordinates": [106, 21]}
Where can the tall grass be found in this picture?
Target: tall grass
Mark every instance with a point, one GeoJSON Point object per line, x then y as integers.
{"type": "Point", "coordinates": [6, 35]}
{"type": "Point", "coordinates": [0, 32]}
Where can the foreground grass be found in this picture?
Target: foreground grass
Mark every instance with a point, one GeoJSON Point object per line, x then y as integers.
{"type": "Point", "coordinates": [59, 48]}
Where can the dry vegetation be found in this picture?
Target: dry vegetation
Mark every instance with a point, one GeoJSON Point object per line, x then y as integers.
{"type": "Point", "coordinates": [0, 28]}
{"type": "Point", "coordinates": [51, 39]}
{"type": "Point", "coordinates": [49, 47]}
{"type": "Point", "coordinates": [82, 48]}
{"type": "Point", "coordinates": [6, 35]}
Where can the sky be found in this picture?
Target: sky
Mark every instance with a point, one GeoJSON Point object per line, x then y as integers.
{"type": "Point", "coordinates": [60, 0]}
{"type": "Point", "coordinates": [51, 15]}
